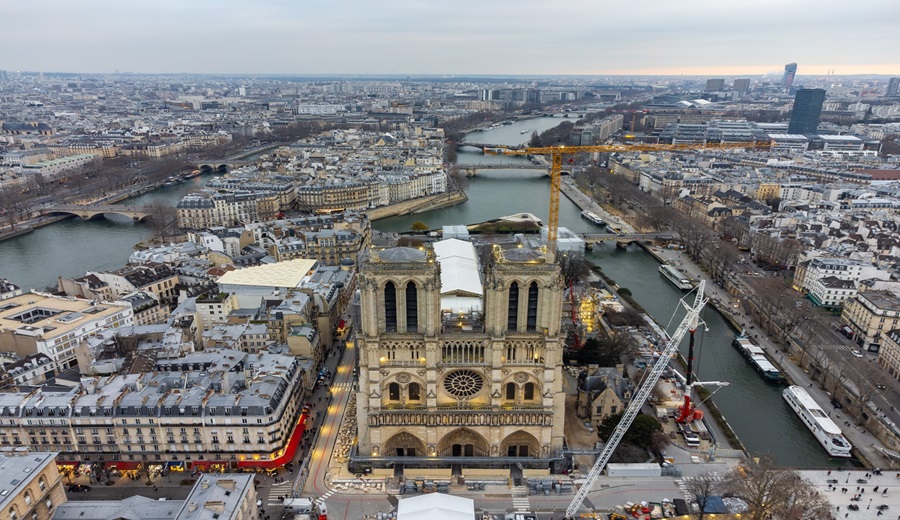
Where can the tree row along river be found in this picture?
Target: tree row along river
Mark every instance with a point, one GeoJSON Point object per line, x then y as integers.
{"type": "Point", "coordinates": [755, 409]}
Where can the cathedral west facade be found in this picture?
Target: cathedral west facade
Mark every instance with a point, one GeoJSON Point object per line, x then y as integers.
{"type": "Point", "coordinates": [440, 386]}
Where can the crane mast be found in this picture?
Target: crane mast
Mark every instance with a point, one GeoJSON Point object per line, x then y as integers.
{"type": "Point", "coordinates": [690, 321]}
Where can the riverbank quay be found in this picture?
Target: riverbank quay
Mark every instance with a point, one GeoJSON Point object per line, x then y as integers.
{"type": "Point", "coordinates": [28, 226]}
{"type": "Point", "coordinates": [418, 205]}
{"type": "Point", "coordinates": [587, 203]}
{"type": "Point", "coordinates": [866, 447]}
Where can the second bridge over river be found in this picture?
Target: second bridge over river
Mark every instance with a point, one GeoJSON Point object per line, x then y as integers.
{"type": "Point", "coordinates": [92, 211]}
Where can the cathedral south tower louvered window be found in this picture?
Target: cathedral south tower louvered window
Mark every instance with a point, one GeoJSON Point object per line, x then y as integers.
{"type": "Point", "coordinates": [390, 307]}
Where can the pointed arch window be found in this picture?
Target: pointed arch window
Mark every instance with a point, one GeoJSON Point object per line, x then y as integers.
{"type": "Point", "coordinates": [412, 308]}
{"type": "Point", "coordinates": [390, 307]}
{"type": "Point", "coordinates": [531, 323]}
{"type": "Point", "coordinates": [393, 392]}
{"type": "Point", "coordinates": [512, 315]}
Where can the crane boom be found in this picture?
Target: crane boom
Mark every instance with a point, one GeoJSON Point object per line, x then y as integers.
{"type": "Point", "coordinates": [556, 153]}
{"type": "Point", "coordinates": [637, 401]}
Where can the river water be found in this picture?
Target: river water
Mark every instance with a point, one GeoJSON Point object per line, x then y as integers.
{"type": "Point", "coordinates": [73, 246]}
{"type": "Point", "coordinates": [755, 409]}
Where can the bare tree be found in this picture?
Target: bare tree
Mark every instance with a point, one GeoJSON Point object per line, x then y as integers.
{"type": "Point", "coordinates": [701, 488]}
{"type": "Point", "coordinates": [574, 267]}
{"type": "Point", "coordinates": [163, 218]}
{"type": "Point", "coordinates": [771, 295]}
{"type": "Point", "coordinates": [866, 377]}
{"type": "Point", "coordinates": [720, 258]}
{"type": "Point", "coordinates": [661, 218]}
{"type": "Point", "coordinates": [774, 492]}
{"type": "Point", "coordinates": [12, 205]}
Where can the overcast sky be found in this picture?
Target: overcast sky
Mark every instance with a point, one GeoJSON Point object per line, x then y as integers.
{"type": "Point", "coordinates": [451, 37]}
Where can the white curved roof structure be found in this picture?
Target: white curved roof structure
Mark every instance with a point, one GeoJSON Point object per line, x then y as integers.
{"type": "Point", "coordinates": [461, 288]}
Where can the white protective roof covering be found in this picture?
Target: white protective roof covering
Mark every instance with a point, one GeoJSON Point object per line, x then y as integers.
{"type": "Point", "coordinates": [436, 506]}
{"type": "Point", "coordinates": [287, 274]}
{"type": "Point", "coordinates": [460, 275]}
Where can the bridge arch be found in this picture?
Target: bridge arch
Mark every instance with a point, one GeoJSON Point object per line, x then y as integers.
{"type": "Point", "coordinates": [213, 168]}
{"type": "Point", "coordinates": [91, 214]}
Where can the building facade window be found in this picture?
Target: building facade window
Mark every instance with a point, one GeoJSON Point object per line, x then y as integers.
{"type": "Point", "coordinates": [412, 308]}
{"type": "Point", "coordinates": [512, 315]}
{"type": "Point", "coordinates": [394, 392]}
{"type": "Point", "coordinates": [390, 307]}
{"type": "Point", "coordinates": [531, 324]}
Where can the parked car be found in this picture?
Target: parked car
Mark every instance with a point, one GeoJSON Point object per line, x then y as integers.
{"type": "Point", "coordinates": [837, 404]}
{"type": "Point", "coordinates": [78, 488]}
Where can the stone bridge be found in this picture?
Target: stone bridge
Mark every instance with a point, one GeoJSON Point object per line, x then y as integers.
{"type": "Point", "coordinates": [471, 169]}
{"type": "Point", "coordinates": [218, 165]}
{"type": "Point", "coordinates": [593, 238]}
{"type": "Point", "coordinates": [92, 211]}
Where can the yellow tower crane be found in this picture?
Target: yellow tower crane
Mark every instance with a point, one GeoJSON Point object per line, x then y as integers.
{"type": "Point", "coordinates": [556, 160]}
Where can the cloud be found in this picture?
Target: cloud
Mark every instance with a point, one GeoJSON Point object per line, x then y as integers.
{"type": "Point", "coordinates": [465, 36]}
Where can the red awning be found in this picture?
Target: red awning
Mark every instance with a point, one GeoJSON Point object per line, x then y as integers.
{"type": "Point", "coordinates": [289, 450]}
{"type": "Point", "coordinates": [341, 325]}
{"type": "Point", "coordinates": [123, 465]}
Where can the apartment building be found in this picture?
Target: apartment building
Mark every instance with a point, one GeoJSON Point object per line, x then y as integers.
{"type": "Point", "coordinates": [870, 316]}
{"type": "Point", "coordinates": [228, 496]}
{"type": "Point", "coordinates": [37, 323]}
{"type": "Point", "coordinates": [30, 485]}
{"type": "Point", "coordinates": [820, 279]}
{"type": "Point", "coordinates": [214, 410]}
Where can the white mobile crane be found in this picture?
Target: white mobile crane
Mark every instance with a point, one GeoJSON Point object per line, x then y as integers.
{"type": "Point", "coordinates": [690, 321]}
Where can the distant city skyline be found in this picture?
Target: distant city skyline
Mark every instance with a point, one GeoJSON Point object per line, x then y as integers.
{"type": "Point", "coordinates": [575, 37]}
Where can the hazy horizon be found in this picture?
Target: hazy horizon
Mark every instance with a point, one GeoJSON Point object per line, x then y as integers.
{"type": "Point", "coordinates": [406, 37]}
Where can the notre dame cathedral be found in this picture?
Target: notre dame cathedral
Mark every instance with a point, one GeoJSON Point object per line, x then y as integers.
{"type": "Point", "coordinates": [460, 359]}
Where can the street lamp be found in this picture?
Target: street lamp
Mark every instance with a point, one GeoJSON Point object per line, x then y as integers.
{"type": "Point", "coordinates": [870, 504]}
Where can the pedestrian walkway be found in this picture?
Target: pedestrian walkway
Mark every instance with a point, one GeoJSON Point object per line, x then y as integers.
{"type": "Point", "coordinates": [520, 499]}
{"type": "Point", "coordinates": [321, 500]}
{"type": "Point", "coordinates": [277, 490]}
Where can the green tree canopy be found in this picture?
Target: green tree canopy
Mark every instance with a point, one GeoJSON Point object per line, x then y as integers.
{"type": "Point", "coordinates": [419, 226]}
{"type": "Point", "coordinates": [640, 433]}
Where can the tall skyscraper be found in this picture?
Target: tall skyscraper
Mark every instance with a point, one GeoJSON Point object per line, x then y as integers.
{"type": "Point", "coordinates": [790, 70]}
{"type": "Point", "coordinates": [741, 85]}
{"type": "Point", "coordinates": [893, 87]}
{"type": "Point", "coordinates": [807, 111]}
{"type": "Point", "coordinates": [715, 85]}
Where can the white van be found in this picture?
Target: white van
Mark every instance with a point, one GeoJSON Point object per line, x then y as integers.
{"type": "Point", "coordinates": [298, 505]}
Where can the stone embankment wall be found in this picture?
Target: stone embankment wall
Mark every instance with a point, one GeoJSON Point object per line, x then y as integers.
{"type": "Point", "coordinates": [418, 205]}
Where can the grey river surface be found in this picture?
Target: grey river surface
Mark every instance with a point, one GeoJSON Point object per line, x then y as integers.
{"type": "Point", "coordinates": [73, 246]}
{"type": "Point", "coordinates": [755, 409]}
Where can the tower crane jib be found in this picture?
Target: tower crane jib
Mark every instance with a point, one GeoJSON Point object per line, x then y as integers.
{"type": "Point", "coordinates": [556, 159]}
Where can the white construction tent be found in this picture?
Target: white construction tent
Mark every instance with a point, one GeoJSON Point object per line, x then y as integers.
{"type": "Point", "coordinates": [461, 287]}
{"type": "Point", "coordinates": [436, 506]}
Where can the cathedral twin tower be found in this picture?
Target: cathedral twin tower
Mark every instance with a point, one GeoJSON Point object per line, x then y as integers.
{"type": "Point", "coordinates": [449, 376]}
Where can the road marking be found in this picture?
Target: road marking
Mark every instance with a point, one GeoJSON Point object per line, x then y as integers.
{"type": "Point", "coordinates": [321, 500]}
{"type": "Point", "coordinates": [520, 499]}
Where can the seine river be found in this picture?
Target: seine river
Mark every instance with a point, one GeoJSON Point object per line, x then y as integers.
{"type": "Point", "coordinates": [755, 409]}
